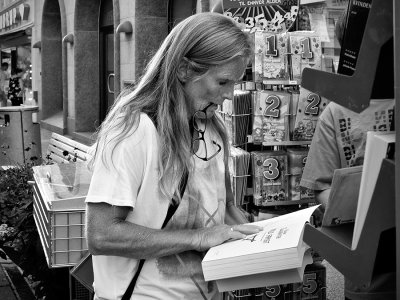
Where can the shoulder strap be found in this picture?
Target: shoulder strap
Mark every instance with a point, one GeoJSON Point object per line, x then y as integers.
{"type": "Point", "coordinates": [171, 210]}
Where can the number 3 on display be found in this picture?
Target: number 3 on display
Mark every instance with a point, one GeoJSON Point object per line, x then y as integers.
{"type": "Point", "coordinates": [272, 171]}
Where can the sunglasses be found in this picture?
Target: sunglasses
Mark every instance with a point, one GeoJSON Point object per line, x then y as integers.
{"type": "Point", "coordinates": [199, 142]}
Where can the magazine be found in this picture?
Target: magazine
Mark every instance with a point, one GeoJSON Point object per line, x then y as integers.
{"type": "Point", "coordinates": [342, 203]}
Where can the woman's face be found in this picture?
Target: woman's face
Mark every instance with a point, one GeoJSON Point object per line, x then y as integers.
{"type": "Point", "coordinates": [214, 86]}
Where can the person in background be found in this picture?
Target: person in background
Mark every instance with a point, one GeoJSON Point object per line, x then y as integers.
{"type": "Point", "coordinates": [339, 142]}
{"type": "Point", "coordinates": [16, 87]}
{"type": "Point", "coordinates": [4, 77]}
{"type": "Point", "coordinates": [165, 128]}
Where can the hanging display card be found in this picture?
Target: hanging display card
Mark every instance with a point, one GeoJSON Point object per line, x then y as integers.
{"type": "Point", "coordinates": [306, 52]}
{"type": "Point", "coordinates": [309, 108]}
{"type": "Point", "coordinates": [271, 116]}
{"type": "Point", "coordinates": [269, 177]}
{"type": "Point", "coordinates": [257, 63]}
{"type": "Point", "coordinates": [296, 161]}
{"type": "Point", "coordinates": [268, 15]}
{"type": "Point", "coordinates": [275, 60]}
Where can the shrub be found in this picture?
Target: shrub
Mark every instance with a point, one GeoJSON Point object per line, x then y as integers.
{"type": "Point", "coordinates": [19, 239]}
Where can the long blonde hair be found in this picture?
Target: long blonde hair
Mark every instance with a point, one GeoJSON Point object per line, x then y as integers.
{"type": "Point", "coordinates": [206, 40]}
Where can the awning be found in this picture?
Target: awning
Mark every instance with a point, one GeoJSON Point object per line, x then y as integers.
{"type": "Point", "coordinates": [15, 37]}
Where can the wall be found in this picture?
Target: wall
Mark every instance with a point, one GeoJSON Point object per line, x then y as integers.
{"type": "Point", "coordinates": [66, 74]}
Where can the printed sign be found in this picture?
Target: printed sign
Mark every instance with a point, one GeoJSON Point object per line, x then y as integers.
{"type": "Point", "coordinates": [268, 15]}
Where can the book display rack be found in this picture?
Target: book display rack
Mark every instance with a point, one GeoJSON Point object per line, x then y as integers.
{"type": "Point", "coordinates": [368, 74]}
{"type": "Point", "coordinates": [270, 123]}
{"type": "Point", "coordinates": [376, 247]}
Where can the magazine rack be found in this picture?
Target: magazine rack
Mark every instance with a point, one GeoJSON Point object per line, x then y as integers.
{"type": "Point", "coordinates": [334, 243]}
{"type": "Point", "coordinates": [377, 244]}
{"type": "Point", "coordinates": [373, 77]}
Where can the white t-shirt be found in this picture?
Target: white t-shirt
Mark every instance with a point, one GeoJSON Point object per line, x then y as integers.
{"type": "Point", "coordinates": [135, 185]}
{"type": "Point", "coordinates": [339, 140]}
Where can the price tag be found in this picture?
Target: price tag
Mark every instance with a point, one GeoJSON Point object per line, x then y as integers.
{"type": "Point", "coordinates": [269, 15]}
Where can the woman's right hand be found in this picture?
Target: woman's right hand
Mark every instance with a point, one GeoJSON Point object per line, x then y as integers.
{"type": "Point", "coordinates": [208, 237]}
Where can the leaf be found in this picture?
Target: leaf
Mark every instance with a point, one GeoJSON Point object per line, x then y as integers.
{"type": "Point", "coordinates": [3, 255]}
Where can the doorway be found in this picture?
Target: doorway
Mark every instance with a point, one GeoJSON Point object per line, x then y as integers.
{"type": "Point", "coordinates": [106, 47]}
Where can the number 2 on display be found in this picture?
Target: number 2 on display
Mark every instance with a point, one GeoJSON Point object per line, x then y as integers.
{"type": "Point", "coordinates": [313, 107]}
{"type": "Point", "coordinates": [273, 103]}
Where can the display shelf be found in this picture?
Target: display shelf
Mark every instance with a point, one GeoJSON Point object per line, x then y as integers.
{"type": "Point", "coordinates": [376, 53]}
{"type": "Point", "coordinates": [286, 203]}
{"type": "Point", "coordinates": [358, 264]}
{"type": "Point", "coordinates": [283, 143]}
{"type": "Point", "coordinates": [287, 143]}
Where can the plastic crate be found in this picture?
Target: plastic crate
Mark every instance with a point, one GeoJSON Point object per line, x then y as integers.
{"type": "Point", "coordinates": [59, 211]}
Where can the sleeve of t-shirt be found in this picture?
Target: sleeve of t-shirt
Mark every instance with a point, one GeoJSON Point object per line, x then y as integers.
{"type": "Point", "coordinates": [118, 182]}
{"type": "Point", "coordinates": [323, 157]}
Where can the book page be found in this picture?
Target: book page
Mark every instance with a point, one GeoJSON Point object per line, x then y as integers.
{"type": "Point", "coordinates": [265, 279]}
{"type": "Point", "coordinates": [375, 151]}
{"type": "Point", "coordinates": [279, 233]}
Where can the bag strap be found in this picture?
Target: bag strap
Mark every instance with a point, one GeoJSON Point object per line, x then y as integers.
{"type": "Point", "coordinates": [171, 210]}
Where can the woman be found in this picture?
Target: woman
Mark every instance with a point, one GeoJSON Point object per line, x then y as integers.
{"type": "Point", "coordinates": [151, 138]}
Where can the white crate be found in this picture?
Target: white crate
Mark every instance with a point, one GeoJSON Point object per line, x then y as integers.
{"type": "Point", "coordinates": [61, 221]}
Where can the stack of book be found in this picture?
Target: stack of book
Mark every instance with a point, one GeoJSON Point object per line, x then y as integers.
{"type": "Point", "coordinates": [237, 115]}
{"type": "Point", "coordinates": [239, 162]}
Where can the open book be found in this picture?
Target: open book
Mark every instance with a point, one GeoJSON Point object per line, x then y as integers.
{"type": "Point", "coordinates": [376, 149]}
{"type": "Point", "coordinates": [262, 257]}
{"type": "Point", "coordinates": [342, 204]}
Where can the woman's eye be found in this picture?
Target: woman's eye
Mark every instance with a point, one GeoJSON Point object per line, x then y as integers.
{"type": "Point", "coordinates": [222, 82]}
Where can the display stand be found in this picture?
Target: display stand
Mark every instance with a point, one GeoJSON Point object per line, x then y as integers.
{"type": "Point", "coordinates": [354, 92]}
{"type": "Point", "coordinates": [335, 243]}
{"type": "Point", "coordinates": [373, 77]}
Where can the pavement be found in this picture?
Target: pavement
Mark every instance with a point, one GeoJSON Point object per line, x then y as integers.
{"type": "Point", "coordinates": [13, 285]}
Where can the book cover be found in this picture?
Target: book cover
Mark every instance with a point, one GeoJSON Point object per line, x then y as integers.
{"type": "Point", "coordinates": [270, 183]}
{"type": "Point", "coordinates": [377, 146]}
{"type": "Point", "coordinates": [305, 49]}
{"type": "Point", "coordinates": [309, 108]}
{"type": "Point", "coordinates": [342, 203]}
{"type": "Point", "coordinates": [279, 246]}
{"type": "Point", "coordinates": [356, 21]}
{"type": "Point", "coordinates": [275, 62]}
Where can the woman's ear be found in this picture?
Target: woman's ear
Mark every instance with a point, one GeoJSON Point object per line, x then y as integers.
{"type": "Point", "coordinates": [183, 70]}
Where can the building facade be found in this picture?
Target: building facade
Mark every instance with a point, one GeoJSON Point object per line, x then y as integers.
{"type": "Point", "coordinates": [85, 51]}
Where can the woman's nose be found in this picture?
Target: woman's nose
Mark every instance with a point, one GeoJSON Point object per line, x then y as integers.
{"type": "Point", "coordinates": [228, 94]}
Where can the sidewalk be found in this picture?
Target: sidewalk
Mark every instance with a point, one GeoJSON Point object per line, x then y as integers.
{"type": "Point", "coordinates": [12, 284]}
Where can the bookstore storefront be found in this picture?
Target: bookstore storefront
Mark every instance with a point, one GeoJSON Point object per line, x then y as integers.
{"type": "Point", "coordinates": [16, 22]}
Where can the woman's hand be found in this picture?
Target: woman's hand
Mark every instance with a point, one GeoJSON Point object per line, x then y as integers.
{"type": "Point", "coordinates": [208, 237]}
